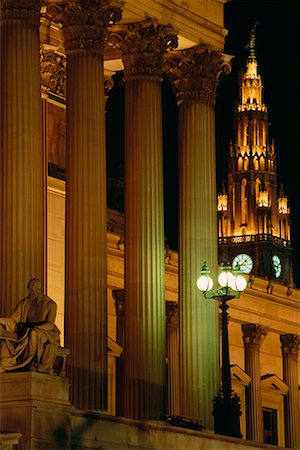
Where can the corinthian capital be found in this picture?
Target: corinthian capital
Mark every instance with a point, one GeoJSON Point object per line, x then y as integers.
{"type": "Point", "coordinates": [27, 10]}
{"type": "Point", "coordinates": [53, 72]}
{"type": "Point", "coordinates": [254, 334]}
{"type": "Point", "coordinates": [84, 22]}
{"type": "Point", "coordinates": [290, 344]}
{"type": "Point", "coordinates": [119, 297]}
{"type": "Point", "coordinates": [143, 45]}
{"type": "Point", "coordinates": [172, 309]}
{"type": "Point", "coordinates": [195, 72]}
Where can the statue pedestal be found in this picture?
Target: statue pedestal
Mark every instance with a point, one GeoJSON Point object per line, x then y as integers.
{"type": "Point", "coordinates": [37, 406]}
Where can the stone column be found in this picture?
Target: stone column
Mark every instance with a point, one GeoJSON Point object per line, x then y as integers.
{"type": "Point", "coordinates": [173, 405]}
{"type": "Point", "coordinates": [84, 26]}
{"type": "Point", "coordinates": [143, 45]}
{"type": "Point", "coordinates": [119, 297]}
{"type": "Point", "coordinates": [195, 75]}
{"type": "Point", "coordinates": [290, 348]}
{"type": "Point", "coordinates": [253, 337]}
{"type": "Point", "coordinates": [22, 165]}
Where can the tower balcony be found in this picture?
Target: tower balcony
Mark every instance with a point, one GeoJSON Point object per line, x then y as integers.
{"type": "Point", "coordinates": [253, 238]}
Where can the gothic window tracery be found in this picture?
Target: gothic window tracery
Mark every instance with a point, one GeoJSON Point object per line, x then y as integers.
{"type": "Point", "coordinates": [244, 202]}
{"type": "Point", "coordinates": [257, 188]}
{"type": "Point", "coordinates": [240, 164]}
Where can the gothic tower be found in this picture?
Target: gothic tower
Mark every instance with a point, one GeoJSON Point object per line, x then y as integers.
{"type": "Point", "coordinates": [253, 217]}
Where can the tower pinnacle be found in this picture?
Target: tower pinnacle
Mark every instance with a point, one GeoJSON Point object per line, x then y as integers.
{"type": "Point", "coordinates": [252, 40]}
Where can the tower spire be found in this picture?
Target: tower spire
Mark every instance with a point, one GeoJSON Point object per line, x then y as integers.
{"type": "Point", "coordinates": [252, 211]}
{"type": "Point", "coordinates": [252, 40]}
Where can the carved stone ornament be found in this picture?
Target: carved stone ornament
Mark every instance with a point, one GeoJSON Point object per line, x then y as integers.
{"type": "Point", "coordinates": [119, 297]}
{"type": "Point", "coordinates": [254, 334]}
{"type": "Point", "coordinates": [108, 83]}
{"type": "Point", "coordinates": [195, 72]}
{"type": "Point", "coordinates": [53, 72]}
{"type": "Point", "coordinates": [29, 338]}
{"type": "Point", "coordinates": [84, 22]}
{"type": "Point", "coordinates": [27, 10]}
{"type": "Point", "coordinates": [172, 309]}
{"type": "Point", "coordinates": [143, 45]}
{"type": "Point", "coordinates": [290, 345]}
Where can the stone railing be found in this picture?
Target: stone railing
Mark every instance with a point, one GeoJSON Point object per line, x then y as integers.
{"type": "Point", "coordinates": [254, 238]}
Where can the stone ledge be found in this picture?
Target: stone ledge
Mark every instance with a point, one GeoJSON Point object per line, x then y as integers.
{"type": "Point", "coordinates": [93, 430]}
{"type": "Point", "coordinates": [34, 386]}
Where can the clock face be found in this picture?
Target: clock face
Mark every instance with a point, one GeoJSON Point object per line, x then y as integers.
{"type": "Point", "coordinates": [244, 262]}
{"type": "Point", "coordinates": [276, 266]}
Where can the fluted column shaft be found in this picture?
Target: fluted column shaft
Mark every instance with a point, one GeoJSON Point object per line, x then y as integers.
{"type": "Point", "coordinates": [84, 27]}
{"type": "Point", "coordinates": [119, 297]}
{"type": "Point", "coordinates": [290, 349]}
{"type": "Point", "coordinates": [253, 337]}
{"type": "Point", "coordinates": [199, 330]}
{"type": "Point", "coordinates": [86, 304]}
{"type": "Point", "coordinates": [173, 403]}
{"type": "Point", "coordinates": [22, 169]}
{"type": "Point", "coordinates": [145, 313]}
{"type": "Point", "coordinates": [195, 73]}
{"type": "Point", "coordinates": [144, 257]}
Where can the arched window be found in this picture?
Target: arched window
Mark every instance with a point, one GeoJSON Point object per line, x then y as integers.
{"type": "Point", "coordinates": [262, 163]}
{"type": "Point", "coordinates": [244, 201]}
{"type": "Point", "coordinates": [257, 188]}
{"type": "Point", "coordinates": [240, 164]}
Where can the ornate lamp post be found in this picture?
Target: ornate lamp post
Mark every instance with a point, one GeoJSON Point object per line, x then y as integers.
{"type": "Point", "coordinates": [226, 405]}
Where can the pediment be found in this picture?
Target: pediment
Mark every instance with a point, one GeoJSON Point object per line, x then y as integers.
{"type": "Point", "coordinates": [273, 383]}
{"type": "Point", "coordinates": [238, 375]}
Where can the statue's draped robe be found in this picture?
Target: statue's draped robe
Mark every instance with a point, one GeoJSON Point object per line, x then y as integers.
{"type": "Point", "coordinates": [23, 338]}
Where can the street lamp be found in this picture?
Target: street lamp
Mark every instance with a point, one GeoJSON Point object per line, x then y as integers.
{"type": "Point", "coordinates": [226, 409]}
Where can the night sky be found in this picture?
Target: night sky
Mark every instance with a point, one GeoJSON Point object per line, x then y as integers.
{"type": "Point", "coordinates": [277, 50]}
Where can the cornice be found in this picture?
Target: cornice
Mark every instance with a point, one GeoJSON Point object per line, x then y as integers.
{"type": "Point", "coordinates": [188, 21]}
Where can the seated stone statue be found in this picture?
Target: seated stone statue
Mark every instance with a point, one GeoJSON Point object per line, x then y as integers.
{"type": "Point", "coordinates": [29, 339]}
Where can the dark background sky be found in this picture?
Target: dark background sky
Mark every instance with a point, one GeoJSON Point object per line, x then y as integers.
{"type": "Point", "coordinates": [277, 50]}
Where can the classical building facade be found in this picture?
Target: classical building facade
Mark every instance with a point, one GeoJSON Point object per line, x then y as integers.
{"type": "Point", "coordinates": [141, 343]}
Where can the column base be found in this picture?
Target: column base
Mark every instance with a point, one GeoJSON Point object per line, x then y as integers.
{"type": "Point", "coordinates": [227, 413]}
{"type": "Point", "coordinates": [37, 406]}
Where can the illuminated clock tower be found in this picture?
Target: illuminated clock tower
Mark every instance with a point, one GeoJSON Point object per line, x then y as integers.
{"type": "Point", "coordinates": [253, 216]}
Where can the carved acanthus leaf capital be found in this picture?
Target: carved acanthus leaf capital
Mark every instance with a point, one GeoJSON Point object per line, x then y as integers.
{"type": "Point", "coordinates": [53, 72]}
{"type": "Point", "coordinates": [108, 82]}
{"type": "Point", "coordinates": [27, 10]}
{"type": "Point", "coordinates": [195, 72]}
{"type": "Point", "coordinates": [119, 297]}
{"type": "Point", "coordinates": [172, 309]}
{"type": "Point", "coordinates": [84, 22]}
{"type": "Point", "coordinates": [143, 45]}
{"type": "Point", "coordinates": [290, 344]}
{"type": "Point", "coordinates": [254, 334]}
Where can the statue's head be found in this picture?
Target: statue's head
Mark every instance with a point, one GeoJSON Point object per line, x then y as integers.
{"type": "Point", "coordinates": [34, 286]}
